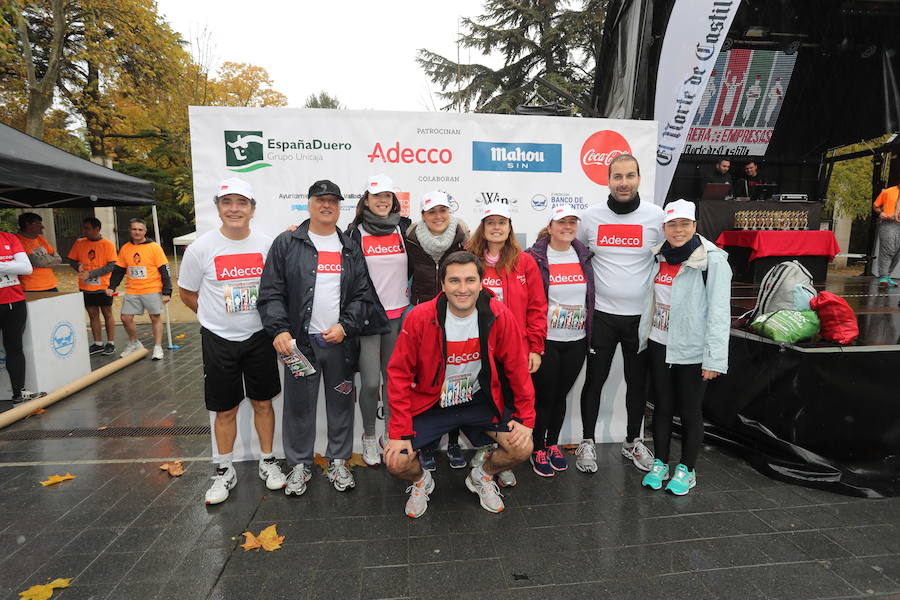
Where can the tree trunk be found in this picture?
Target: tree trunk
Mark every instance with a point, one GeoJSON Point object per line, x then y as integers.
{"type": "Point", "coordinates": [40, 91]}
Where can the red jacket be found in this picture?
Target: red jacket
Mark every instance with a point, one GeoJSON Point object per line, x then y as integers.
{"type": "Point", "coordinates": [416, 369]}
{"type": "Point", "coordinates": [523, 293]}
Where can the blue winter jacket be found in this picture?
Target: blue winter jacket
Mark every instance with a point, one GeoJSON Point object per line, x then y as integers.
{"type": "Point", "coordinates": [700, 313]}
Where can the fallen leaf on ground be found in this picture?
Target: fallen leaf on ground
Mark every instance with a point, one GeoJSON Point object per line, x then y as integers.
{"type": "Point", "coordinates": [102, 427]}
{"type": "Point", "coordinates": [356, 460]}
{"type": "Point", "coordinates": [175, 469]}
{"type": "Point", "coordinates": [180, 336]}
{"type": "Point", "coordinates": [39, 411]}
{"type": "Point", "coordinates": [43, 592]}
{"type": "Point", "coordinates": [268, 539]}
{"type": "Point", "coordinates": [54, 479]}
{"type": "Point", "coordinates": [570, 448]}
{"type": "Point", "coordinates": [320, 460]}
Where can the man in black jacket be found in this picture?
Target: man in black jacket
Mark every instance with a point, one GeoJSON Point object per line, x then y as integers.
{"type": "Point", "coordinates": [314, 292]}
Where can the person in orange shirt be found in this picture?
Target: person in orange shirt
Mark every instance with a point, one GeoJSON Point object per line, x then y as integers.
{"type": "Point", "coordinates": [94, 257]}
{"type": "Point", "coordinates": [888, 234]}
{"type": "Point", "coordinates": [41, 254]}
{"type": "Point", "coordinates": [148, 285]}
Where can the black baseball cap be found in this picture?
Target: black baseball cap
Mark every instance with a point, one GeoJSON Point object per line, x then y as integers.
{"type": "Point", "coordinates": [323, 187]}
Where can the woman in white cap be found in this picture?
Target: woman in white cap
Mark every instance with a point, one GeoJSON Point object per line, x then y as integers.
{"type": "Point", "coordinates": [565, 266]}
{"type": "Point", "coordinates": [381, 232]}
{"type": "Point", "coordinates": [438, 235]}
{"type": "Point", "coordinates": [685, 328]}
{"type": "Point", "coordinates": [514, 278]}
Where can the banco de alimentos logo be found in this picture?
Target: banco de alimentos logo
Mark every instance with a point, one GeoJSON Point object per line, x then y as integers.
{"type": "Point", "coordinates": [244, 151]}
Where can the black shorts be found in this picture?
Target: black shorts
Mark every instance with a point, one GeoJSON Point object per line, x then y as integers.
{"type": "Point", "coordinates": [474, 419]}
{"type": "Point", "coordinates": [234, 370]}
{"type": "Point", "coordinates": [96, 299]}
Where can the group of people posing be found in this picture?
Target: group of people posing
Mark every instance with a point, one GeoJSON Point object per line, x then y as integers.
{"type": "Point", "coordinates": [457, 331]}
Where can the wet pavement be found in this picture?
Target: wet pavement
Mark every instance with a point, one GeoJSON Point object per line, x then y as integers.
{"type": "Point", "coordinates": [125, 529]}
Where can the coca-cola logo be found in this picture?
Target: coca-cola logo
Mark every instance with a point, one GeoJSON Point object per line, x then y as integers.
{"type": "Point", "coordinates": [598, 151]}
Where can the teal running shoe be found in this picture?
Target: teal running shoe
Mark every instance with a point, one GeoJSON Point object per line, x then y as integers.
{"type": "Point", "coordinates": [659, 472]}
{"type": "Point", "coordinates": [682, 481]}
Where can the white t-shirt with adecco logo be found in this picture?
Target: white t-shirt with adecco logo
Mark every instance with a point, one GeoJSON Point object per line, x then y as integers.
{"type": "Point", "coordinates": [463, 360]}
{"type": "Point", "coordinates": [492, 281]}
{"type": "Point", "coordinates": [226, 273]}
{"type": "Point", "coordinates": [326, 308]}
{"type": "Point", "coordinates": [387, 263]}
{"type": "Point", "coordinates": [662, 289]}
{"type": "Point", "coordinates": [623, 255]}
{"type": "Point", "coordinates": [565, 296]}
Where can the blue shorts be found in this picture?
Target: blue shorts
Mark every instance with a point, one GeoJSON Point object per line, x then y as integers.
{"type": "Point", "coordinates": [473, 419]}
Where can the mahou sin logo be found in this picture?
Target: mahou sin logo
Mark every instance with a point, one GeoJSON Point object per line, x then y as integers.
{"type": "Point", "coordinates": [239, 266]}
{"type": "Point", "coordinates": [598, 151]}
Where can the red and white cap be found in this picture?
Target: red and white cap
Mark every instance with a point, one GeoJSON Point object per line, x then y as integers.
{"type": "Point", "coordinates": [379, 183]}
{"type": "Point", "coordinates": [499, 209]}
{"type": "Point", "coordinates": [435, 198]}
{"type": "Point", "coordinates": [233, 185]}
{"type": "Point", "coordinates": [679, 209]}
{"type": "Point", "coordinates": [562, 211]}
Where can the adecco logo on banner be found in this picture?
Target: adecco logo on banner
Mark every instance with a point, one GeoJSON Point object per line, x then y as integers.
{"type": "Point", "coordinates": [531, 158]}
{"type": "Point", "coordinates": [598, 151]}
{"type": "Point", "coordinates": [244, 151]}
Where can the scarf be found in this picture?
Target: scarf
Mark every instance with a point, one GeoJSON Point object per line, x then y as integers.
{"type": "Point", "coordinates": [491, 260]}
{"type": "Point", "coordinates": [435, 245]}
{"type": "Point", "coordinates": [676, 256]}
{"type": "Point", "coordinates": [623, 208]}
{"type": "Point", "coordinates": [380, 225]}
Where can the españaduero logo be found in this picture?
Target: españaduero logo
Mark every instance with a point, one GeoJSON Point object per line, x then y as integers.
{"type": "Point", "coordinates": [527, 157]}
{"type": "Point", "coordinates": [247, 151]}
{"type": "Point", "coordinates": [62, 339]}
{"type": "Point", "coordinates": [244, 151]}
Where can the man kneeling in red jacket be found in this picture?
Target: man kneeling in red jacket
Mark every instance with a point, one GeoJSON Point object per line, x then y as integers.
{"type": "Point", "coordinates": [443, 375]}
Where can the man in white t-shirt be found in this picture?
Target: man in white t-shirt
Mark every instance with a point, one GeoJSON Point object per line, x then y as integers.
{"type": "Point", "coordinates": [621, 233]}
{"type": "Point", "coordinates": [315, 297]}
{"type": "Point", "coordinates": [238, 358]}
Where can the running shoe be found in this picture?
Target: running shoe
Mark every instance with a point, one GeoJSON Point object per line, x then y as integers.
{"type": "Point", "coordinates": [682, 481]}
{"type": "Point", "coordinates": [556, 458]}
{"type": "Point", "coordinates": [506, 479]}
{"type": "Point", "coordinates": [370, 451]}
{"type": "Point", "coordinates": [481, 455]}
{"type": "Point", "coordinates": [271, 473]}
{"type": "Point", "coordinates": [638, 453]}
{"type": "Point", "coordinates": [418, 496]}
{"type": "Point", "coordinates": [157, 352]}
{"type": "Point", "coordinates": [586, 457]}
{"type": "Point", "coordinates": [455, 456]}
{"type": "Point", "coordinates": [486, 488]}
{"type": "Point", "coordinates": [131, 348]}
{"type": "Point", "coordinates": [340, 476]}
{"type": "Point", "coordinates": [95, 348]}
{"type": "Point", "coordinates": [427, 460]}
{"type": "Point", "coordinates": [540, 465]}
{"type": "Point", "coordinates": [26, 395]}
{"type": "Point", "coordinates": [659, 472]}
{"type": "Point", "coordinates": [109, 348]}
{"type": "Point", "coordinates": [887, 281]}
{"type": "Point", "coordinates": [296, 481]}
{"type": "Point", "coordinates": [223, 480]}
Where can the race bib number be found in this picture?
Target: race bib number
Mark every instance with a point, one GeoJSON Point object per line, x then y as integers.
{"type": "Point", "coordinates": [567, 316]}
{"type": "Point", "coordinates": [661, 317]}
{"type": "Point", "coordinates": [457, 389]}
{"type": "Point", "coordinates": [137, 272]}
{"type": "Point", "coordinates": [241, 297]}
{"type": "Point", "coordinates": [8, 280]}
{"type": "Point", "coordinates": [92, 281]}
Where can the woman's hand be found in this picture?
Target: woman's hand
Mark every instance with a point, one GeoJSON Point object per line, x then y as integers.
{"type": "Point", "coordinates": [708, 375]}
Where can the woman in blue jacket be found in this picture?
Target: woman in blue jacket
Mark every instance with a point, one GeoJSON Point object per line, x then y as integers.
{"type": "Point", "coordinates": [685, 328]}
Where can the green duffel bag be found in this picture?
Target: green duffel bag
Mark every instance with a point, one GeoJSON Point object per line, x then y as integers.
{"type": "Point", "coordinates": [787, 325]}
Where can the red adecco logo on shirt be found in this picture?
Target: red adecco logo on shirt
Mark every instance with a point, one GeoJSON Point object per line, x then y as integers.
{"type": "Point", "coordinates": [598, 151]}
{"type": "Point", "coordinates": [666, 273]}
{"type": "Point", "coordinates": [623, 236]}
{"type": "Point", "coordinates": [566, 274]}
{"type": "Point", "coordinates": [329, 263]}
{"type": "Point", "coordinates": [380, 245]}
{"type": "Point", "coordinates": [459, 353]}
{"type": "Point", "coordinates": [238, 266]}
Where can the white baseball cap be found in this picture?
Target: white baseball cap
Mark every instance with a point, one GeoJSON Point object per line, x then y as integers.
{"type": "Point", "coordinates": [679, 209]}
{"type": "Point", "coordinates": [500, 209]}
{"type": "Point", "coordinates": [562, 211]}
{"type": "Point", "coordinates": [233, 185]}
{"type": "Point", "coordinates": [380, 183]}
{"type": "Point", "coordinates": [435, 198]}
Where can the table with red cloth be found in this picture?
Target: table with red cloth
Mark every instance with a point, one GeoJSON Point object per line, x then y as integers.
{"type": "Point", "coordinates": [757, 251]}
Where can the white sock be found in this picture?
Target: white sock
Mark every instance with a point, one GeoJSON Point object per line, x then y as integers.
{"type": "Point", "coordinates": [265, 456]}
{"type": "Point", "coordinates": [225, 460]}
{"type": "Point", "coordinates": [479, 472]}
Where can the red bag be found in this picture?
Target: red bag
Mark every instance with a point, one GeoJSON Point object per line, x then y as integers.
{"type": "Point", "coordinates": [837, 318]}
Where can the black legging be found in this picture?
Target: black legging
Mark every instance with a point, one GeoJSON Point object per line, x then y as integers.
{"type": "Point", "coordinates": [609, 331]}
{"type": "Point", "coordinates": [560, 366]}
{"type": "Point", "coordinates": [12, 324]}
{"type": "Point", "coordinates": [678, 389]}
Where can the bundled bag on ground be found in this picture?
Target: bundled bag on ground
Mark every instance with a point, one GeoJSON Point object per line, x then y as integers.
{"type": "Point", "coordinates": [788, 326]}
{"type": "Point", "coordinates": [784, 286]}
{"type": "Point", "coordinates": [837, 318]}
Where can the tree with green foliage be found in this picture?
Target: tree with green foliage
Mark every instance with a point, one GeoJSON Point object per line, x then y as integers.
{"type": "Point", "coordinates": [534, 37]}
{"type": "Point", "coordinates": [850, 189]}
{"type": "Point", "coordinates": [322, 100]}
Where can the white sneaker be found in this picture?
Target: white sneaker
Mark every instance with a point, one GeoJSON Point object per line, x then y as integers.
{"type": "Point", "coordinates": [271, 473]}
{"type": "Point", "coordinates": [132, 347]}
{"type": "Point", "coordinates": [370, 451]}
{"type": "Point", "coordinates": [586, 457]}
{"type": "Point", "coordinates": [157, 352]}
{"type": "Point", "coordinates": [418, 496]}
{"type": "Point", "coordinates": [639, 454]}
{"type": "Point", "coordinates": [296, 481]}
{"type": "Point", "coordinates": [487, 490]}
{"type": "Point", "coordinates": [506, 479]}
{"type": "Point", "coordinates": [481, 455]}
{"type": "Point", "coordinates": [223, 480]}
{"type": "Point", "coordinates": [340, 476]}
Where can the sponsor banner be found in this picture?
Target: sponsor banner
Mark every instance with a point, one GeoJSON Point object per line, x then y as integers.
{"type": "Point", "coordinates": [694, 36]}
{"type": "Point", "coordinates": [529, 163]}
